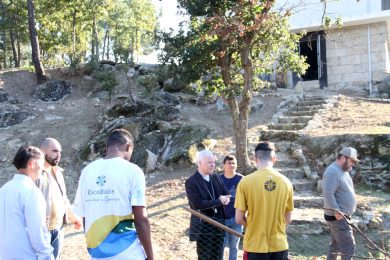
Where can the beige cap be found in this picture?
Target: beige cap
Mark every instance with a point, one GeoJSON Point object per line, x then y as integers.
{"type": "Point", "coordinates": [350, 152]}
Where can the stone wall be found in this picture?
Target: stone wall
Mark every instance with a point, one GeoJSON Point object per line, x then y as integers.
{"type": "Point", "coordinates": [347, 56]}
{"type": "Point", "coordinates": [373, 150]}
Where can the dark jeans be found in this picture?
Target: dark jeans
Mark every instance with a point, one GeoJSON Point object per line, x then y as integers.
{"type": "Point", "coordinates": [210, 243]}
{"type": "Point", "coordinates": [281, 255]}
{"type": "Point", "coordinates": [342, 240]}
{"type": "Point", "coordinates": [57, 237]}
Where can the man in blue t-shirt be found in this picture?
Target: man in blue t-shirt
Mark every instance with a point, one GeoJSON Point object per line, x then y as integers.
{"type": "Point", "coordinates": [231, 179]}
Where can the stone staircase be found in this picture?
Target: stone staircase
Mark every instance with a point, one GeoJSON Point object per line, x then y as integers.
{"type": "Point", "coordinates": [284, 130]}
{"type": "Point", "coordinates": [297, 114]}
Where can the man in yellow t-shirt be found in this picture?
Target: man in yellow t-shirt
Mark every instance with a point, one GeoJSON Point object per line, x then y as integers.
{"type": "Point", "coordinates": [264, 201]}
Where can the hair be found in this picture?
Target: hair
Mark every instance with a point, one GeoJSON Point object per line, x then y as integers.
{"type": "Point", "coordinates": [24, 155]}
{"type": "Point", "coordinates": [264, 151]}
{"type": "Point", "coordinates": [203, 154]}
{"type": "Point", "coordinates": [229, 158]}
{"type": "Point", "coordinates": [339, 155]}
{"type": "Point", "coordinates": [119, 137]}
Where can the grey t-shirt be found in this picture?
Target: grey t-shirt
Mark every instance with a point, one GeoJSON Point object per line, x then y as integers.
{"type": "Point", "coordinates": [338, 191]}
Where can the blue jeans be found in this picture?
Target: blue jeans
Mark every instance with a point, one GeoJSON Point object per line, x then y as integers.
{"type": "Point", "coordinates": [231, 240]}
{"type": "Point", "coordinates": [57, 237]}
{"type": "Point", "coordinates": [342, 240]}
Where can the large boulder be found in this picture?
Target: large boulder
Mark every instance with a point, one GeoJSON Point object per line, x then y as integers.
{"type": "Point", "coordinates": [158, 141]}
{"type": "Point", "coordinates": [53, 90]}
{"type": "Point", "coordinates": [138, 126]}
{"type": "Point", "coordinates": [11, 116]}
{"type": "Point", "coordinates": [384, 85]}
{"type": "Point", "coordinates": [3, 96]}
{"type": "Point", "coordinates": [163, 106]}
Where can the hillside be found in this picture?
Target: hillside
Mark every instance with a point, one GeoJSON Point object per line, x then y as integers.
{"type": "Point", "coordinates": [73, 120]}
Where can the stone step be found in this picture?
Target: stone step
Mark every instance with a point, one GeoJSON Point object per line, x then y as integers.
{"type": "Point", "coordinates": [308, 199]}
{"type": "Point", "coordinates": [285, 163]}
{"type": "Point", "coordinates": [300, 113]}
{"type": "Point", "coordinates": [306, 108]}
{"type": "Point", "coordinates": [303, 184]}
{"type": "Point", "coordinates": [275, 135]}
{"type": "Point", "coordinates": [294, 119]}
{"type": "Point", "coordinates": [291, 173]}
{"type": "Point", "coordinates": [314, 98]}
{"type": "Point", "coordinates": [315, 102]}
{"type": "Point", "coordinates": [287, 126]}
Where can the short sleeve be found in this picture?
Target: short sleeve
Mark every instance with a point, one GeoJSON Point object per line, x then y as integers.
{"type": "Point", "coordinates": [240, 201]}
{"type": "Point", "coordinates": [137, 191]}
{"type": "Point", "coordinates": [78, 205]}
{"type": "Point", "coordinates": [290, 199]}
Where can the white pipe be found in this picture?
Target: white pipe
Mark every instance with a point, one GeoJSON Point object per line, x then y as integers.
{"type": "Point", "coordinates": [369, 59]}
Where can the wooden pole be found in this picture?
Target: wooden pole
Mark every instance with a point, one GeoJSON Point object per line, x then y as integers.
{"type": "Point", "coordinates": [213, 222]}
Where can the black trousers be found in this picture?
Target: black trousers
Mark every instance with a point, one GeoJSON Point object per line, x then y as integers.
{"type": "Point", "coordinates": [210, 243]}
{"type": "Point", "coordinates": [281, 255]}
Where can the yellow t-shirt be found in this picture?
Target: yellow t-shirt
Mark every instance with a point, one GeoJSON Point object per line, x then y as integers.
{"type": "Point", "coordinates": [266, 196]}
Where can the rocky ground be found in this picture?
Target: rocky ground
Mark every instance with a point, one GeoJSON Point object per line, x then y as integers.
{"type": "Point", "coordinates": [73, 120]}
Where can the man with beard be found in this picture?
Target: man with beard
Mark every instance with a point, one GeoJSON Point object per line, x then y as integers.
{"type": "Point", "coordinates": [340, 203]}
{"type": "Point", "coordinates": [52, 185]}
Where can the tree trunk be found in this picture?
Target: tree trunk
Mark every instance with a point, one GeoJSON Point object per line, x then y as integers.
{"type": "Point", "coordinates": [17, 37]}
{"type": "Point", "coordinates": [108, 45]}
{"type": "Point", "coordinates": [104, 42]}
{"type": "Point", "coordinates": [5, 48]}
{"type": "Point", "coordinates": [239, 112]}
{"type": "Point", "coordinates": [39, 70]}
{"type": "Point", "coordinates": [95, 35]}
{"type": "Point", "coordinates": [74, 32]}
{"type": "Point", "coordinates": [241, 123]}
{"type": "Point", "coordinates": [17, 65]}
{"type": "Point", "coordinates": [14, 53]}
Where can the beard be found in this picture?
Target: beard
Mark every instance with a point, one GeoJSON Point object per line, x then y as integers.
{"type": "Point", "coordinates": [52, 161]}
{"type": "Point", "coordinates": [345, 167]}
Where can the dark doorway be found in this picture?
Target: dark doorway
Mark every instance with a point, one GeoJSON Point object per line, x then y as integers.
{"type": "Point", "coordinates": [313, 47]}
{"type": "Point", "coordinates": [308, 48]}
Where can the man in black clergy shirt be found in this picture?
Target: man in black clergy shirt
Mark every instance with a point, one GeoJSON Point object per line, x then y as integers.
{"type": "Point", "coordinates": [207, 194]}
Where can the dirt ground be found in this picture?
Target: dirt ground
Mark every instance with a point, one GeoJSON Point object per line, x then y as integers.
{"type": "Point", "coordinates": [74, 119]}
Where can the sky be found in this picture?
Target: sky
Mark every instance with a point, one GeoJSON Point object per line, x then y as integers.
{"type": "Point", "coordinates": [168, 19]}
{"type": "Point", "coordinates": [169, 13]}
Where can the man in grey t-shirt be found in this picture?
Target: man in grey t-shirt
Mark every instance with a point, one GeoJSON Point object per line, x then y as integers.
{"type": "Point", "coordinates": [339, 196]}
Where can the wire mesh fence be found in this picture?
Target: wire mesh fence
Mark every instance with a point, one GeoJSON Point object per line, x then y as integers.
{"type": "Point", "coordinates": [306, 241]}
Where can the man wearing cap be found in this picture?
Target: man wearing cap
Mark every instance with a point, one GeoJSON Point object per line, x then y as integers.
{"type": "Point", "coordinates": [264, 201]}
{"type": "Point", "coordinates": [340, 202]}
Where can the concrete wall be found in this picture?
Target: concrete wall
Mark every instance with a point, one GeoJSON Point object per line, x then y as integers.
{"type": "Point", "coordinates": [307, 13]}
{"type": "Point", "coordinates": [348, 58]}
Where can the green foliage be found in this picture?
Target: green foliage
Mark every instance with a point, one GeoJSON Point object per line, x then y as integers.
{"type": "Point", "coordinates": [149, 82]}
{"type": "Point", "coordinates": [107, 79]}
{"type": "Point", "coordinates": [126, 28]}
{"type": "Point", "coordinates": [228, 45]}
{"type": "Point", "coordinates": [92, 66]}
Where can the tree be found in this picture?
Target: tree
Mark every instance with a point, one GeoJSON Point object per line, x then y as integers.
{"type": "Point", "coordinates": [39, 69]}
{"type": "Point", "coordinates": [234, 41]}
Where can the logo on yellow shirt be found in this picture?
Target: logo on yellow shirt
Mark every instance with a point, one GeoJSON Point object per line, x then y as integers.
{"type": "Point", "coordinates": [270, 185]}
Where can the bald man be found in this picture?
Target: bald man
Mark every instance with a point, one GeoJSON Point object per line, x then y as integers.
{"type": "Point", "coordinates": [52, 185]}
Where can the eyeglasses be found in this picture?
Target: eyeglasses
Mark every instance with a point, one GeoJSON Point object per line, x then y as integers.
{"type": "Point", "coordinates": [353, 161]}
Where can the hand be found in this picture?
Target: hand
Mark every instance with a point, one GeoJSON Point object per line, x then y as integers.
{"type": "Point", "coordinates": [78, 223]}
{"type": "Point", "coordinates": [225, 199]}
{"type": "Point", "coordinates": [338, 216]}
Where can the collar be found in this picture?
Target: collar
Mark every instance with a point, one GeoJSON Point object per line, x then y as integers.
{"type": "Point", "coordinates": [205, 177]}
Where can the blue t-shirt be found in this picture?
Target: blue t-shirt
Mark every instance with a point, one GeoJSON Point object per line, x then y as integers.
{"type": "Point", "coordinates": [231, 186]}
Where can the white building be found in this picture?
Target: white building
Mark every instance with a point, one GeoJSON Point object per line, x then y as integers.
{"type": "Point", "coordinates": [350, 58]}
